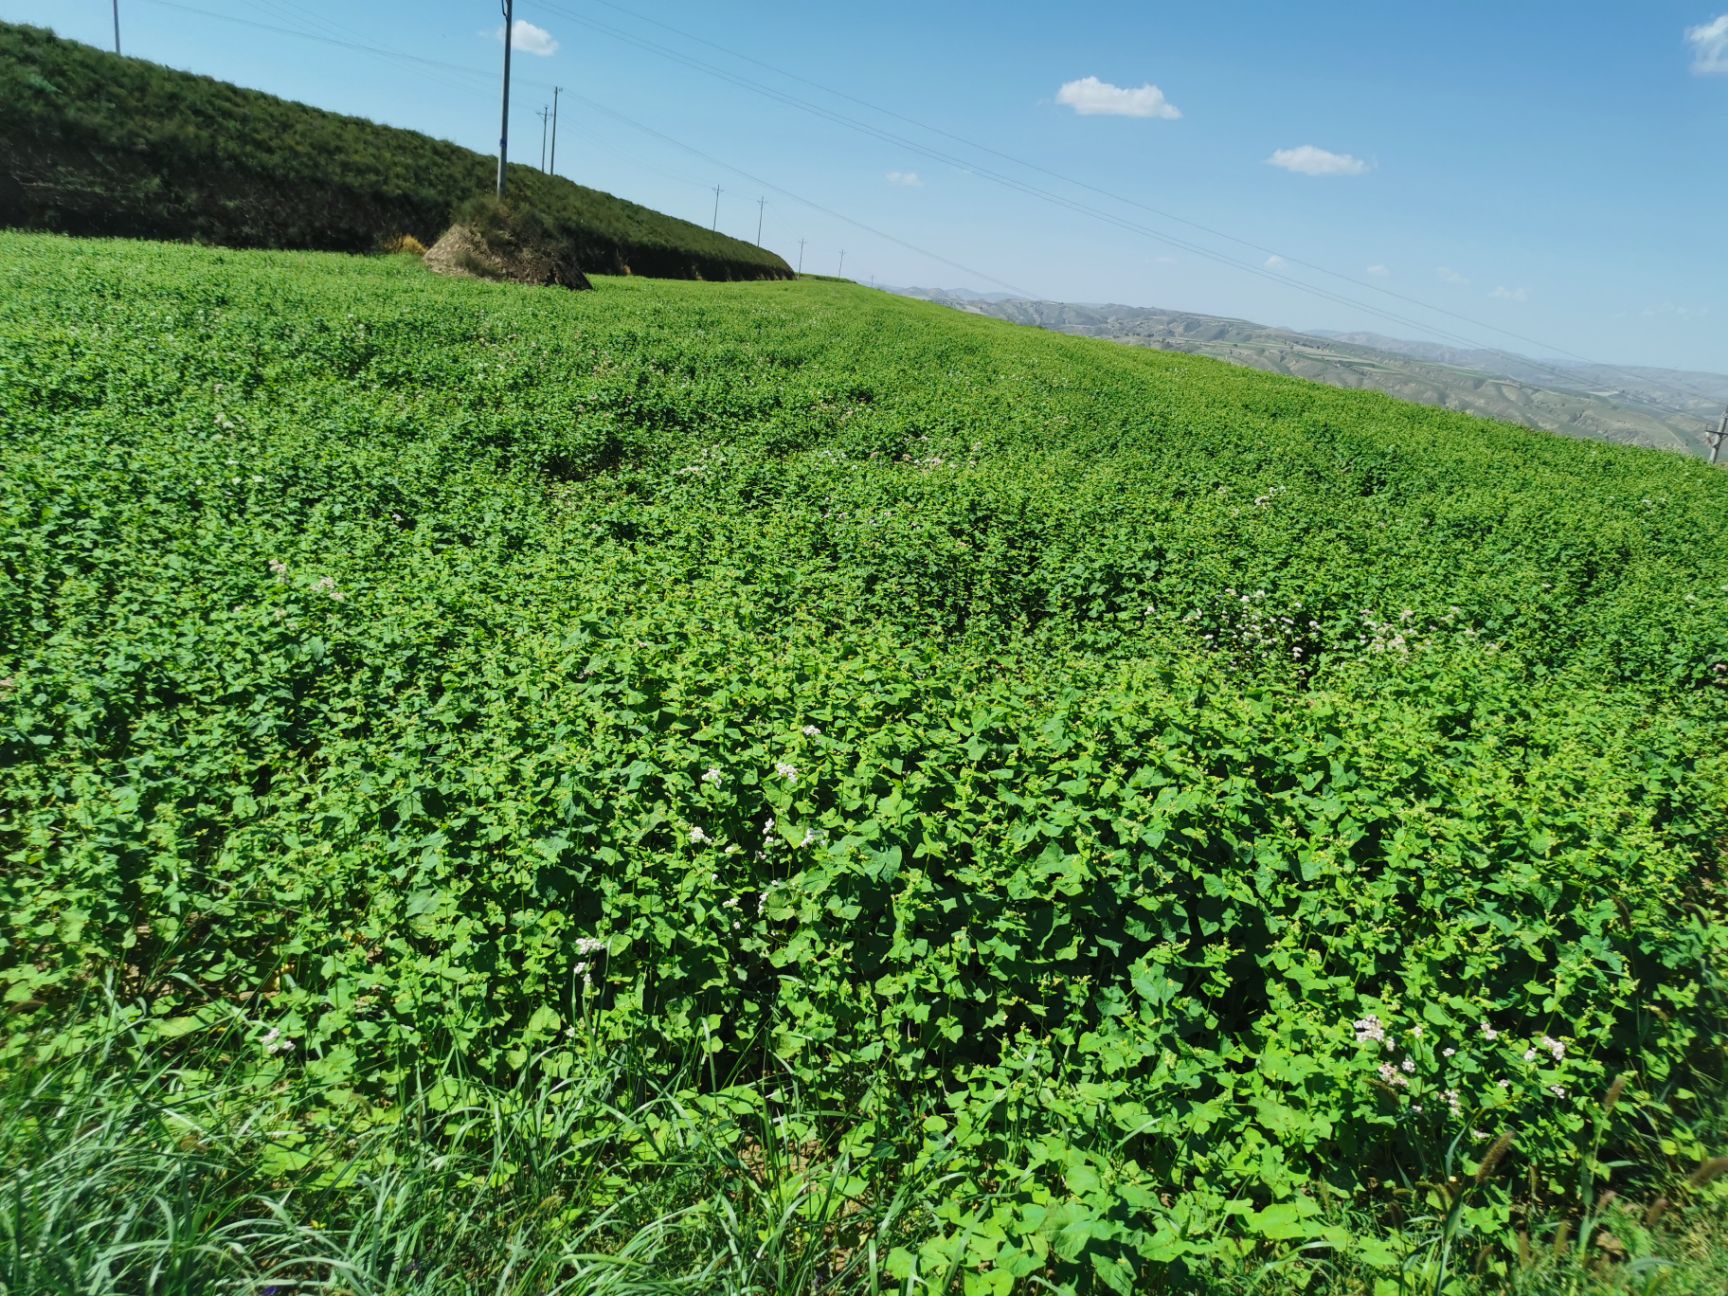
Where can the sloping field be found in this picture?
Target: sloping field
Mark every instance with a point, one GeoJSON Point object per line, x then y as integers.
{"type": "Point", "coordinates": [95, 144]}
{"type": "Point", "coordinates": [776, 787]}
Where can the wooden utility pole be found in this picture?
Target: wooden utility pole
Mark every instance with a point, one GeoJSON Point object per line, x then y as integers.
{"type": "Point", "coordinates": [716, 225]}
{"type": "Point", "coordinates": [556, 91]}
{"type": "Point", "coordinates": [841, 272]}
{"type": "Point", "coordinates": [116, 26]}
{"type": "Point", "coordinates": [509, 7]}
{"type": "Point", "coordinates": [761, 206]}
{"type": "Point", "coordinates": [1715, 439]}
{"type": "Point", "coordinates": [801, 243]}
{"type": "Point", "coordinates": [545, 115]}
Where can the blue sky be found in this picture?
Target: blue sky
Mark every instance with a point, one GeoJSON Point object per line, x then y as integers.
{"type": "Point", "coordinates": [1551, 169]}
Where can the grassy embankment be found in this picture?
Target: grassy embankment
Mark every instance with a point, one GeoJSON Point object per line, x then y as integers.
{"type": "Point", "coordinates": [94, 144]}
{"type": "Point", "coordinates": [777, 788]}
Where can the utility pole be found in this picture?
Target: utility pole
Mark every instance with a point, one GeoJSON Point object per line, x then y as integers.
{"type": "Point", "coordinates": [842, 271]}
{"type": "Point", "coordinates": [556, 91]}
{"type": "Point", "coordinates": [509, 7]}
{"type": "Point", "coordinates": [801, 243]}
{"type": "Point", "coordinates": [1714, 439]}
{"type": "Point", "coordinates": [761, 205]}
{"type": "Point", "coordinates": [116, 26]}
{"type": "Point", "coordinates": [716, 225]}
{"type": "Point", "coordinates": [544, 115]}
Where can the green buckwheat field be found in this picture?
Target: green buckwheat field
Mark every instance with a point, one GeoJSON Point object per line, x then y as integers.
{"type": "Point", "coordinates": [775, 788]}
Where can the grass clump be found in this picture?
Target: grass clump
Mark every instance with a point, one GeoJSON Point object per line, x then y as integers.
{"type": "Point", "coordinates": [139, 1166]}
{"type": "Point", "coordinates": [404, 245]}
{"type": "Point", "coordinates": [492, 239]}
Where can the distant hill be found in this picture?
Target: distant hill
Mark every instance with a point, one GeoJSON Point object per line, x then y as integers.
{"type": "Point", "coordinates": [1682, 388]}
{"type": "Point", "coordinates": [1658, 408]}
{"type": "Point", "coordinates": [95, 144]}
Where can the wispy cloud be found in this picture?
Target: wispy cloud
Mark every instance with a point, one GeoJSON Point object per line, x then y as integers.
{"type": "Point", "coordinates": [1276, 262]}
{"type": "Point", "coordinates": [1669, 309]}
{"type": "Point", "coordinates": [905, 179]}
{"type": "Point", "coordinates": [1308, 160]}
{"type": "Point", "coordinates": [1503, 293]}
{"type": "Point", "coordinates": [529, 39]}
{"type": "Point", "coordinates": [1447, 274]}
{"type": "Point", "coordinates": [1709, 42]}
{"type": "Point", "coordinates": [1091, 97]}
{"type": "Point", "coordinates": [1379, 271]}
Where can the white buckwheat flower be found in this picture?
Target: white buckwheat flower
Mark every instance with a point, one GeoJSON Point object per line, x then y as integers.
{"type": "Point", "coordinates": [1369, 1028]}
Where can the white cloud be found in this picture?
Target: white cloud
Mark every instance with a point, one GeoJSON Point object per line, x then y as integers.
{"type": "Point", "coordinates": [1448, 275]}
{"type": "Point", "coordinates": [1091, 97]}
{"type": "Point", "coordinates": [1676, 312]}
{"type": "Point", "coordinates": [1309, 160]}
{"type": "Point", "coordinates": [1503, 293]}
{"type": "Point", "coordinates": [1709, 43]}
{"type": "Point", "coordinates": [1379, 271]}
{"type": "Point", "coordinates": [529, 39]}
{"type": "Point", "coordinates": [905, 179]}
{"type": "Point", "coordinates": [1276, 262]}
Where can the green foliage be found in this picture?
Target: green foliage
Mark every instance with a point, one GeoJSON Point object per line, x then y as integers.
{"type": "Point", "coordinates": [96, 144]}
{"type": "Point", "coordinates": [500, 222]}
{"type": "Point", "coordinates": [1167, 819]}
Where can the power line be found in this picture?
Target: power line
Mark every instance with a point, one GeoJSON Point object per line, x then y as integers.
{"type": "Point", "coordinates": [1073, 205]}
{"type": "Point", "coordinates": [1131, 202]}
{"type": "Point", "coordinates": [436, 64]}
{"type": "Point", "coordinates": [1010, 182]}
{"type": "Point", "coordinates": [960, 163]}
{"type": "Point", "coordinates": [797, 198]}
{"type": "Point", "coordinates": [320, 27]}
{"type": "Point", "coordinates": [433, 69]}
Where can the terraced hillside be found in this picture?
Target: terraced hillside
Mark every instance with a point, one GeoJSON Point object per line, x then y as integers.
{"type": "Point", "coordinates": [779, 788]}
{"type": "Point", "coordinates": [95, 144]}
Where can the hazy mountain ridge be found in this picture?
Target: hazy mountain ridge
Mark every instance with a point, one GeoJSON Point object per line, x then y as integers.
{"type": "Point", "coordinates": [1637, 405]}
